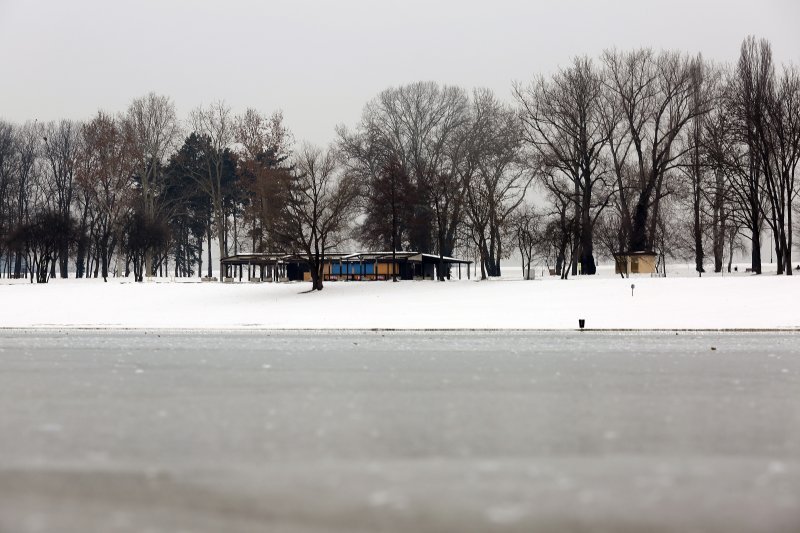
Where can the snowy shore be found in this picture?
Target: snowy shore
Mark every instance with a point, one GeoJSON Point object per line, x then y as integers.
{"type": "Point", "coordinates": [733, 302]}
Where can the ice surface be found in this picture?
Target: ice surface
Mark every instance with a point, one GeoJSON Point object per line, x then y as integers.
{"type": "Point", "coordinates": [265, 431]}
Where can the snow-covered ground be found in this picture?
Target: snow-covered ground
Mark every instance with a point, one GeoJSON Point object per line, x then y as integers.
{"type": "Point", "coordinates": [680, 301]}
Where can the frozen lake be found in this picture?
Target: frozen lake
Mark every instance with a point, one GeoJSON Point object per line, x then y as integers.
{"type": "Point", "coordinates": [313, 432]}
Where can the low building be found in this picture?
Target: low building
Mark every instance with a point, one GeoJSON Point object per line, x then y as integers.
{"type": "Point", "coordinates": [635, 263]}
{"type": "Point", "coordinates": [359, 266]}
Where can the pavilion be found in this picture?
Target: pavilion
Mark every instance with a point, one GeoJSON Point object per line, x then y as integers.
{"type": "Point", "coordinates": [339, 266]}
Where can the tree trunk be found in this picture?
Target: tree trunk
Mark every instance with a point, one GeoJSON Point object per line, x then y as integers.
{"type": "Point", "coordinates": [718, 245]}
{"type": "Point", "coordinates": [639, 239]}
{"type": "Point", "coordinates": [220, 221]}
{"type": "Point", "coordinates": [18, 263]}
{"type": "Point", "coordinates": [497, 271]}
{"type": "Point", "coordinates": [208, 250]}
{"type": "Point", "coordinates": [559, 261]}
{"type": "Point", "coordinates": [698, 241]}
{"type": "Point", "coordinates": [200, 257]}
{"type": "Point", "coordinates": [315, 269]}
{"type": "Point", "coordinates": [104, 257]}
{"type": "Point", "coordinates": [718, 221]}
{"type": "Point", "coordinates": [755, 255]}
{"type": "Point", "coordinates": [588, 266]}
{"type": "Point", "coordinates": [788, 250]}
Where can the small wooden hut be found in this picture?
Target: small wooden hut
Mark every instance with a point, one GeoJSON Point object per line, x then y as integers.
{"type": "Point", "coordinates": [635, 262]}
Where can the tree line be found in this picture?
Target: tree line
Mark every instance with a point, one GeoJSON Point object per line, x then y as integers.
{"type": "Point", "coordinates": [633, 151]}
{"type": "Point", "coordinates": [665, 152]}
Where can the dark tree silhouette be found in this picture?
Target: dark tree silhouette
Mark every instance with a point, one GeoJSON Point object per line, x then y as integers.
{"type": "Point", "coordinates": [45, 238]}
{"type": "Point", "coordinates": [144, 237]}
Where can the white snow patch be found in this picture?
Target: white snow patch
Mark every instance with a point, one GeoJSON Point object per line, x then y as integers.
{"type": "Point", "coordinates": [732, 302]}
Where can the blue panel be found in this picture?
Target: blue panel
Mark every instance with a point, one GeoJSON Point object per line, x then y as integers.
{"type": "Point", "coordinates": [354, 269]}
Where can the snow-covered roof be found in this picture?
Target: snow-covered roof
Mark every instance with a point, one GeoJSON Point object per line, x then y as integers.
{"type": "Point", "coordinates": [282, 257]}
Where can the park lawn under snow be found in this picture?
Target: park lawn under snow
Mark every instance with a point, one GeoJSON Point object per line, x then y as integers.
{"type": "Point", "coordinates": [733, 302]}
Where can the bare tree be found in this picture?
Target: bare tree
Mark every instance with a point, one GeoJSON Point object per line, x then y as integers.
{"type": "Point", "coordinates": [780, 154]}
{"type": "Point", "coordinates": [526, 227]}
{"type": "Point", "coordinates": [265, 145]}
{"type": "Point", "coordinates": [720, 155]}
{"type": "Point", "coordinates": [27, 192]}
{"type": "Point", "coordinates": [384, 197]}
{"type": "Point", "coordinates": [104, 173]}
{"type": "Point", "coordinates": [259, 134]}
{"type": "Point", "coordinates": [7, 178]}
{"type": "Point", "coordinates": [61, 145]}
{"type": "Point", "coordinates": [43, 238]}
{"type": "Point", "coordinates": [731, 146]}
{"type": "Point", "coordinates": [651, 99]}
{"type": "Point", "coordinates": [216, 124]}
{"type": "Point", "coordinates": [696, 166]}
{"type": "Point", "coordinates": [389, 198]}
{"type": "Point", "coordinates": [496, 177]}
{"type": "Point", "coordinates": [151, 128]}
{"type": "Point", "coordinates": [753, 93]}
{"type": "Point", "coordinates": [318, 209]}
{"type": "Point", "coordinates": [608, 235]}
{"type": "Point", "coordinates": [424, 127]}
{"type": "Point", "coordinates": [565, 129]}
{"type": "Point", "coordinates": [764, 147]}
{"type": "Point", "coordinates": [559, 234]}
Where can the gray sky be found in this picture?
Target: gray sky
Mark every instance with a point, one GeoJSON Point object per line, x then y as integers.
{"type": "Point", "coordinates": [320, 61]}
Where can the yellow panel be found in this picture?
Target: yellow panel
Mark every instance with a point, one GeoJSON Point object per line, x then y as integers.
{"type": "Point", "coordinates": [386, 269]}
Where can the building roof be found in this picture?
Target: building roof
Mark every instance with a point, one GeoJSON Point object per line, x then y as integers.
{"type": "Point", "coordinates": [645, 252]}
{"type": "Point", "coordinates": [270, 258]}
{"type": "Point", "coordinates": [432, 258]}
{"type": "Point", "coordinates": [267, 258]}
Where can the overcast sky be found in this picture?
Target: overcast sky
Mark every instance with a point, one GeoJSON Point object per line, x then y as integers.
{"type": "Point", "coordinates": [320, 61]}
